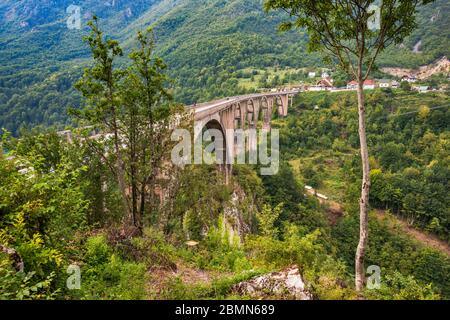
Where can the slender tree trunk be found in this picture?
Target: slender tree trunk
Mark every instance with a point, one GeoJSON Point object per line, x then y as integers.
{"type": "Point", "coordinates": [365, 189]}
{"type": "Point", "coordinates": [121, 174]}
{"type": "Point", "coordinates": [134, 173]}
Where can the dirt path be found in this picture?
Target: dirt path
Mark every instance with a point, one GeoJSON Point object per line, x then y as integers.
{"type": "Point", "coordinates": [421, 236]}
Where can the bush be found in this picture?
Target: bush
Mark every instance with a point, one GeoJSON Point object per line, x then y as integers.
{"type": "Point", "coordinates": [396, 286]}
{"type": "Point", "coordinates": [222, 250]}
{"type": "Point", "coordinates": [107, 276]}
{"type": "Point", "coordinates": [24, 286]}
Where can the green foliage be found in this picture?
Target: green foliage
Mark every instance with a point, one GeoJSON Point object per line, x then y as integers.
{"type": "Point", "coordinates": [222, 250]}
{"type": "Point", "coordinates": [405, 86]}
{"type": "Point", "coordinates": [132, 105]}
{"type": "Point", "coordinates": [36, 87]}
{"type": "Point", "coordinates": [294, 249]}
{"type": "Point", "coordinates": [340, 29]}
{"type": "Point", "coordinates": [24, 286]}
{"type": "Point", "coordinates": [394, 253]}
{"type": "Point", "coordinates": [409, 142]}
{"type": "Point", "coordinates": [42, 209]}
{"type": "Point", "coordinates": [396, 286]}
{"type": "Point", "coordinates": [105, 275]}
{"type": "Point", "coordinates": [198, 202]}
{"type": "Point", "coordinates": [311, 176]}
{"type": "Point", "coordinates": [218, 289]}
{"type": "Point", "coordinates": [266, 219]}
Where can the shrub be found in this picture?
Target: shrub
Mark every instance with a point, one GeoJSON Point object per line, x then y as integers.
{"type": "Point", "coordinates": [399, 287]}
{"type": "Point", "coordinates": [106, 275]}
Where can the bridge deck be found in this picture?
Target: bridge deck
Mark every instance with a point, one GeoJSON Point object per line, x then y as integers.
{"type": "Point", "coordinates": [216, 105]}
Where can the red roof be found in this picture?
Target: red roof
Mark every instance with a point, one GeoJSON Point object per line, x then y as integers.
{"type": "Point", "coordinates": [368, 82]}
{"type": "Point", "coordinates": [326, 82]}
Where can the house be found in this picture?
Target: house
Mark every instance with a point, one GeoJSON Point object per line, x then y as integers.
{"type": "Point", "coordinates": [325, 75]}
{"type": "Point", "coordinates": [384, 83]}
{"type": "Point", "coordinates": [368, 85]}
{"type": "Point", "coordinates": [352, 85]}
{"type": "Point", "coordinates": [311, 75]}
{"type": "Point", "coordinates": [395, 84]}
{"type": "Point", "coordinates": [326, 83]}
{"type": "Point", "coordinates": [410, 79]}
{"type": "Point", "coordinates": [423, 89]}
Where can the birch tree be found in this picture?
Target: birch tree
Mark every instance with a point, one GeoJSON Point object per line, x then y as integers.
{"type": "Point", "coordinates": [352, 33]}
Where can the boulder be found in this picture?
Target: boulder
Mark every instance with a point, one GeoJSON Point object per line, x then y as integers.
{"type": "Point", "coordinates": [287, 284]}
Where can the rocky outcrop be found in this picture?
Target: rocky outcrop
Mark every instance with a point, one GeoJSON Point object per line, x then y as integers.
{"type": "Point", "coordinates": [286, 285]}
{"type": "Point", "coordinates": [238, 213]}
{"type": "Point", "coordinates": [422, 73]}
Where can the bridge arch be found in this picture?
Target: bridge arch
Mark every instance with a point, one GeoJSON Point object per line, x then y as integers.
{"type": "Point", "coordinates": [220, 141]}
{"type": "Point", "coordinates": [240, 112]}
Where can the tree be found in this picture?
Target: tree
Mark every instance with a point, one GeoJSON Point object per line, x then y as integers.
{"type": "Point", "coordinates": [146, 119]}
{"type": "Point", "coordinates": [353, 33]}
{"type": "Point", "coordinates": [405, 86]}
{"type": "Point", "coordinates": [267, 218]}
{"type": "Point", "coordinates": [131, 109]}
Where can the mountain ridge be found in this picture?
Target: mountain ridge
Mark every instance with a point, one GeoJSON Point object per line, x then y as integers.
{"type": "Point", "coordinates": [204, 42]}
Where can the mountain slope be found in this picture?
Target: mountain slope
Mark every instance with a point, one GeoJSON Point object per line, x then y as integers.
{"type": "Point", "coordinates": [205, 43]}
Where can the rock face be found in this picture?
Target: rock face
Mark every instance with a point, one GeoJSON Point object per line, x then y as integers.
{"type": "Point", "coordinates": [236, 220]}
{"type": "Point", "coordinates": [440, 66]}
{"type": "Point", "coordinates": [285, 285]}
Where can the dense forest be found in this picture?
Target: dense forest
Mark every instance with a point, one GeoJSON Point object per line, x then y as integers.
{"type": "Point", "coordinates": [54, 216]}
{"type": "Point", "coordinates": [409, 137]}
{"type": "Point", "coordinates": [208, 45]}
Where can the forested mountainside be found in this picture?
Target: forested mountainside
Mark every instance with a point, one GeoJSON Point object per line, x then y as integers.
{"type": "Point", "coordinates": [208, 45]}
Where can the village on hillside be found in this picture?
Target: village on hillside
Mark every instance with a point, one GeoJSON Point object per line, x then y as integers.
{"type": "Point", "coordinates": [412, 80]}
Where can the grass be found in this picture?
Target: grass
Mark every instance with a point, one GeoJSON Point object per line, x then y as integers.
{"type": "Point", "coordinates": [249, 84]}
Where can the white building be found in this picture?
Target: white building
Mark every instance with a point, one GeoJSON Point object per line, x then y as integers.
{"type": "Point", "coordinates": [423, 89]}
{"type": "Point", "coordinates": [317, 88]}
{"type": "Point", "coordinates": [410, 79]}
{"type": "Point", "coordinates": [384, 83]}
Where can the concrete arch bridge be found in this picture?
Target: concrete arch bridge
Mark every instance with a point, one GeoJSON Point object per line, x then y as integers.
{"type": "Point", "coordinates": [244, 112]}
